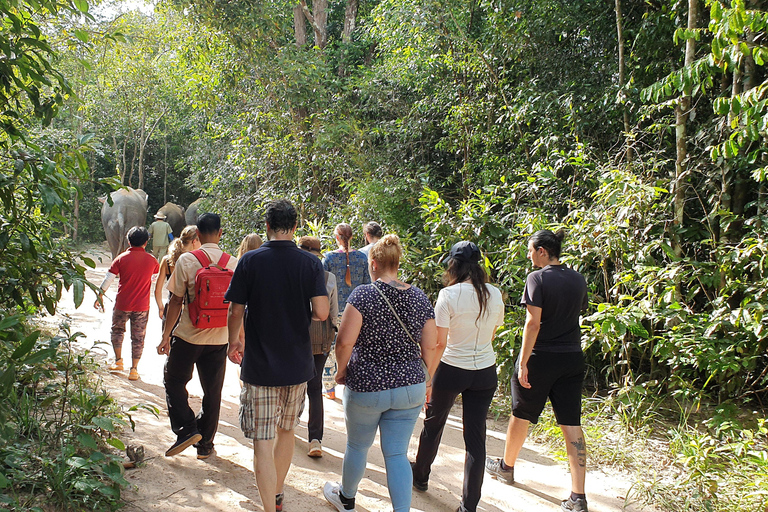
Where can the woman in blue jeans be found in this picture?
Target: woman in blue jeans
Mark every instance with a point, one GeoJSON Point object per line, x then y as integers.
{"type": "Point", "coordinates": [386, 330]}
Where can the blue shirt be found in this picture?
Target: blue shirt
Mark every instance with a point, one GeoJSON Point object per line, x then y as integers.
{"type": "Point", "coordinates": [384, 356]}
{"type": "Point", "coordinates": [276, 283]}
{"type": "Point", "coordinates": [336, 263]}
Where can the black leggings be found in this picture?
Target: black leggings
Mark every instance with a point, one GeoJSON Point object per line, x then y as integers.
{"type": "Point", "coordinates": [476, 388]}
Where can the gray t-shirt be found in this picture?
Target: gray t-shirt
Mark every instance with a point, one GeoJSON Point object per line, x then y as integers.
{"type": "Point", "coordinates": [561, 293]}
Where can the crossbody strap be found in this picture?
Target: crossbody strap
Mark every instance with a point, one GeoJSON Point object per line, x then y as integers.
{"type": "Point", "coordinates": [395, 313]}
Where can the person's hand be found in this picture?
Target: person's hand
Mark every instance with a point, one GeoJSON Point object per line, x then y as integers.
{"type": "Point", "coordinates": [429, 396]}
{"type": "Point", "coordinates": [235, 352]}
{"type": "Point", "coordinates": [99, 304]}
{"type": "Point", "coordinates": [522, 376]}
{"type": "Point", "coordinates": [165, 345]}
{"type": "Point", "coordinates": [341, 376]}
{"type": "Point", "coordinates": [160, 312]}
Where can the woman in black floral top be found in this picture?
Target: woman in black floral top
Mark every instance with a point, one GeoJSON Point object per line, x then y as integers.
{"type": "Point", "coordinates": [380, 364]}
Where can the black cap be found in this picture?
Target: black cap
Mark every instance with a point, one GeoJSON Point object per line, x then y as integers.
{"type": "Point", "coordinates": [463, 251]}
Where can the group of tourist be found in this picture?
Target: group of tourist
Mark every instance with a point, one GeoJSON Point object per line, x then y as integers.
{"type": "Point", "coordinates": [395, 352]}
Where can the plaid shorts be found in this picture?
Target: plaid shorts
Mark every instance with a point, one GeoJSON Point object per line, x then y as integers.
{"type": "Point", "coordinates": [263, 408]}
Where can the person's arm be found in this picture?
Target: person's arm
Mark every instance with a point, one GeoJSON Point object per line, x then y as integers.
{"type": "Point", "coordinates": [333, 302]}
{"type": "Point", "coordinates": [159, 286]}
{"type": "Point", "coordinates": [428, 345]}
{"type": "Point", "coordinates": [234, 326]}
{"type": "Point", "coordinates": [442, 341]}
{"type": "Point", "coordinates": [320, 307]}
{"type": "Point", "coordinates": [105, 284]}
{"type": "Point", "coordinates": [349, 330]}
{"type": "Point", "coordinates": [174, 311]}
{"type": "Point", "coordinates": [530, 333]}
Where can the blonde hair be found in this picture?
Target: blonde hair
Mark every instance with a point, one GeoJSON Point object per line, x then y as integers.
{"type": "Point", "coordinates": [344, 232]}
{"type": "Point", "coordinates": [387, 252]}
{"type": "Point", "coordinates": [250, 242]}
{"type": "Point", "coordinates": [181, 245]}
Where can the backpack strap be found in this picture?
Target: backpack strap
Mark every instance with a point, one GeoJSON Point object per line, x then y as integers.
{"type": "Point", "coordinates": [223, 260]}
{"type": "Point", "coordinates": [199, 255]}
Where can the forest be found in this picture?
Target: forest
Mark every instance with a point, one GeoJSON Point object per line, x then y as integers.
{"type": "Point", "coordinates": [637, 126]}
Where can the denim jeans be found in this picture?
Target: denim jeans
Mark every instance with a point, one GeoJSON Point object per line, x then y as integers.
{"type": "Point", "coordinates": [394, 412]}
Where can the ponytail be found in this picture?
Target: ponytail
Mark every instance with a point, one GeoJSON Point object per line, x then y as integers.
{"type": "Point", "coordinates": [344, 232]}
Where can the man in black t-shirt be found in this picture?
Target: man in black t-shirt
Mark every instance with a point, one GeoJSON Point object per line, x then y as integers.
{"type": "Point", "coordinates": [550, 364]}
{"type": "Point", "coordinates": [284, 289]}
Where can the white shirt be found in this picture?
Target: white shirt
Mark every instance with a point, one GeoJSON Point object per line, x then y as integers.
{"type": "Point", "coordinates": [469, 338]}
{"type": "Point", "coordinates": [365, 250]}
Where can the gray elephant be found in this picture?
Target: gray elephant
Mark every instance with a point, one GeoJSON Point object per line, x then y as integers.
{"type": "Point", "coordinates": [174, 215]}
{"type": "Point", "coordinates": [129, 209]}
{"type": "Point", "coordinates": [193, 211]}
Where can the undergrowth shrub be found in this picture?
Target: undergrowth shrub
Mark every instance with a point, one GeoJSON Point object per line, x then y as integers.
{"type": "Point", "coordinates": [58, 426]}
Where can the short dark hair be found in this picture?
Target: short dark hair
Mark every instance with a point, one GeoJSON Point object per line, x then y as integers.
{"type": "Point", "coordinates": [373, 229]}
{"type": "Point", "coordinates": [281, 215]}
{"type": "Point", "coordinates": [138, 236]}
{"type": "Point", "coordinates": [551, 242]}
{"type": "Point", "coordinates": [208, 224]}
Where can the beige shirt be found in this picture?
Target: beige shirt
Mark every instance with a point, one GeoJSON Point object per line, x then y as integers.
{"type": "Point", "coordinates": [182, 284]}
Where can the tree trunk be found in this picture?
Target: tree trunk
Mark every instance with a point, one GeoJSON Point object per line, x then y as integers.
{"type": "Point", "coordinates": [622, 81]}
{"type": "Point", "coordinates": [142, 144]}
{"type": "Point", "coordinates": [299, 26]}
{"type": "Point", "coordinates": [682, 111]}
{"type": "Point", "coordinates": [165, 170]}
{"type": "Point", "coordinates": [350, 17]}
{"type": "Point", "coordinates": [318, 18]}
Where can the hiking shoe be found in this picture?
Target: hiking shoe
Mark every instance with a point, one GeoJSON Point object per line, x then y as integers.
{"type": "Point", "coordinates": [332, 493]}
{"type": "Point", "coordinates": [182, 443]}
{"type": "Point", "coordinates": [133, 374]}
{"type": "Point", "coordinates": [117, 366]}
{"type": "Point", "coordinates": [278, 501]}
{"type": "Point", "coordinates": [421, 486]}
{"type": "Point", "coordinates": [315, 448]}
{"type": "Point", "coordinates": [204, 452]}
{"type": "Point", "coordinates": [493, 467]}
{"type": "Point", "coordinates": [577, 505]}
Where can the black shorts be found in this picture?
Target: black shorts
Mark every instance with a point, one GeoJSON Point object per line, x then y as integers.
{"type": "Point", "coordinates": [555, 375]}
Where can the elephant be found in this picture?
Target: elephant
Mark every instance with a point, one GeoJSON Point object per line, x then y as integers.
{"type": "Point", "coordinates": [193, 210]}
{"type": "Point", "coordinates": [129, 209]}
{"type": "Point", "coordinates": [174, 215]}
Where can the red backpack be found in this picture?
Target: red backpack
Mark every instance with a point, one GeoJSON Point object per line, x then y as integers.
{"type": "Point", "coordinates": [209, 309]}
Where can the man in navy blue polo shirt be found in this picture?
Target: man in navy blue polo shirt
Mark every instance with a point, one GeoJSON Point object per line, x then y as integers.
{"type": "Point", "coordinates": [284, 289]}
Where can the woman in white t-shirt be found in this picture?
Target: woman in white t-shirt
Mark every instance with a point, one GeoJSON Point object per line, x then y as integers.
{"type": "Point", "coordinates": [467, 313]}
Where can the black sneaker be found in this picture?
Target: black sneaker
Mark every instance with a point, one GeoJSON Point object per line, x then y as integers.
{"type": "Point", "coordinates": [419, 485]}
{"type": "Point", "coordinates": [577, 505]}
{"type": "Point", "coordinates": [493, 467]}
{"type": "Point", "coordinates": [204, 452]}
{"type": "Point", "coordinates": [182, 443]}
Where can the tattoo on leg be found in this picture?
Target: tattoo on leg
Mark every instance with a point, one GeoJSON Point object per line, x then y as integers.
{"type": "Point", "coordinates": [581, 451]}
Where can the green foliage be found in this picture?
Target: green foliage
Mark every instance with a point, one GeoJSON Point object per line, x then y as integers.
{"type": "Point", "coordinates": [58, 428]}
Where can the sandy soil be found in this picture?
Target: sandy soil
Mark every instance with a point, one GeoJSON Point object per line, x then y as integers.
{"type": "Point", "coordinates": [225, 482]}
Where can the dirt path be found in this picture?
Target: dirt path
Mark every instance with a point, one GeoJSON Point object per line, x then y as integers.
{"type": "Point", "coordinates": [226, 482]}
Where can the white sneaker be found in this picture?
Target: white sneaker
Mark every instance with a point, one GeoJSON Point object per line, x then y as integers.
{"type": "Point", "coordinates": [331, 492]}
{"type": "Point", "coordinates": [315, 448]}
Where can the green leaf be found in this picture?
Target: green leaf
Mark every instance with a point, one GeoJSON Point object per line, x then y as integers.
{"type": "Point", "coordinates": [25, 346]}
{"type": "Point", "coordinates": [82, 5]}
{"type": "Point", "coordinates": [78, 291]}
{"type": "Point", "coordinates": [82, 35]}
{"type": "Point", "coordinates": [113, 441]}
{"type": "Point", "coordinates": [88, 441]}
{"type": "Point", "coordinates": [104, 423]}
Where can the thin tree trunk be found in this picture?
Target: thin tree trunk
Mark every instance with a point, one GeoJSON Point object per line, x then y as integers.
{"type": "Point", "coordinates": [299, 26]}
{"type": "Point", "coordinates": [318, 18]}
{"type": "Point", "coordinates": [622, 81]}
{"type": "Point", "coordinates": [682, 111]}
{"type": "Point", "coordinates": [142, 143]}
{"type": "Point", "coordinates": [165, 170]}
{"type": "Point", "coordinates": [350, 18]}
